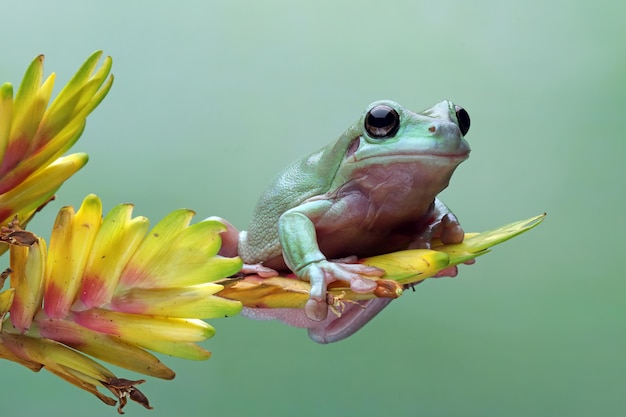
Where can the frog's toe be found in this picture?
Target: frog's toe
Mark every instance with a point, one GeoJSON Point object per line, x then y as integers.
{"type": "Point", "coordinates": [258, 269]}
{"type": "Point", "coordinates": [451, 230]}
{"type": "Point", "coordinates": [451, 271]}
{"type": "Point", "coordinates": [363, 285]}
{"type": "Point", "coordinates": [316, 309]}
{"type": "Point", "coordinates": [360, 269]}
{"type": "Point", "coordinates": [354, 274]}
{"type": "Point", "coordinates": [322, 273]}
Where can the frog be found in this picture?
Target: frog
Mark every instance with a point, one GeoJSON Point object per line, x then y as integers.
{"type": "Point", "coordinates": [371, 192]}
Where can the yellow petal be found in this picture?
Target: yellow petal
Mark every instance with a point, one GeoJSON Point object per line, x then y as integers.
{"type": "Point", "coordinates": [6, 299]}
{"type": "Point", "coordinates": [27, 264]}
{"type": "Point", "coordinates": [6, 353]}
{"type": "Point", "coordinates": [58, 293]}
{"type": "Point", "coordinates": [195, 301]}
{"type": "Point", "coordinates": [84, 74]}
{"type": "Point", "coordinates": [477, 244]}
{"type": "Point", "coordinates": [78, 98]}
{"type": "Point", "coordinates": [410, 266]}
{"type": "Point", "coordinates": [6, 114]}
{"type": "Point", "coordinates": [60, 360]}
{"type": "Point", "coordinates": [404, 267]}
{"type": "Point", "coordinates": [29, 106]}
{"type": "Point", "coordinates": [105, 347]}
{"type": "Point", "coordinates": [116, 241]}
{"type": "Point", "coordinates": [275, 292]}
{"type": "Point", "coordinates": [70, 245]}
{"type": "Point", "coordinates": [38, 188]}
{"type": "Point", "coordinates": [183, 350]}
{"type": "Point", "coordinates": [174, 255]}
{"type": "Point", "coordinates": [136, 328]}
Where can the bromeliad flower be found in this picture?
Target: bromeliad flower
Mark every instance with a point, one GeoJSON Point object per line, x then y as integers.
{"type": "Point", "coordinates": [110, 289]}
{"type": "Point", "coordinates": [284, 298]}
{"type": "Point", "coordinates": [33, 136]}
{"type": "Point", "coordinates": [403, 269]}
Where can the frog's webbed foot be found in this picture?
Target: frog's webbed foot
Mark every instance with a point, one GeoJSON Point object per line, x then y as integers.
{"type": "Point", "coordinates": [322, 273]}
{"type": "Point", "coordinates": [449, 230]}
{"type": "Point", "coordinates": [446, 228]}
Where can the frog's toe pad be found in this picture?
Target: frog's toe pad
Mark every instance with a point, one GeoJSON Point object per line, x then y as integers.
{"type": "Point", "coordinates": [451, 230]}
{"type": "Point", "coordinates": [322, 273]}
{"type": "Point", "coordinates": [315, 309]}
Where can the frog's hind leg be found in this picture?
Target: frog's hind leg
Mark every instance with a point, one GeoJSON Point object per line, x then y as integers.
{"type": "Point", "coordinates": [230, 238]}
{"type": "Point", "coordinates": [351, 320]}
{"type": "Point", "coordinates": [229, 248]}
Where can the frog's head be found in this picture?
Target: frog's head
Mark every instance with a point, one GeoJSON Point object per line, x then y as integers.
{"type": "Point", "coordinates": [390, 142]}
{"type": "Point", "coordinates": [387, 129]}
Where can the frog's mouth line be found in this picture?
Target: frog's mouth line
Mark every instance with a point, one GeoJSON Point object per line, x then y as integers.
{"type": "Point", "coordinates": [413, 157]}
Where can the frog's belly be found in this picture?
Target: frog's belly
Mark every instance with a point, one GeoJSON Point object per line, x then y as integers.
{"type": "Point", "coordinates": [349, 240]}
{"type": "Point", "coordinates": [368, 242]}
{"type": "Point", "coordinates": [357, 225]}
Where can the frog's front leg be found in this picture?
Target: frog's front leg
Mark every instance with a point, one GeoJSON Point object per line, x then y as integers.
{"type": "Point", "coordinates": [443, 225]}
{"type": "Point", "coordinates": [446, 227]}
{"type": "Point", "coordinates": [302, 255]}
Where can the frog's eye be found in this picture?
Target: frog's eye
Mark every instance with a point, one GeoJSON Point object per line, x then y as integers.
{"type": "Point", "coordinates": [463, 118]}
{"type": "Point", "coordinates": [382, 122]}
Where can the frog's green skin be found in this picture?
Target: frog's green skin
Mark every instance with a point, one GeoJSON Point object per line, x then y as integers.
{"type": "Point", "coordinates": [362, 195]}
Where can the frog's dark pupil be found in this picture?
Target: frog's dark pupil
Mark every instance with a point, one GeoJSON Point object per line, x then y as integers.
{"type": "Point", "coordinates": [381, 117]}
{"type": "Point", "coordinates": [464, 120]}
{"type": "Point", "coordinates": [382, 121]}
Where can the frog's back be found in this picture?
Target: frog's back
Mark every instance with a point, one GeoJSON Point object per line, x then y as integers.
{"type": "Point", "coordinates": [305, 178]}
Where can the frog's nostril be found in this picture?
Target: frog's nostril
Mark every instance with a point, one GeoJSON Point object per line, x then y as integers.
{"type": "Point", "coordinates": [432, 129]}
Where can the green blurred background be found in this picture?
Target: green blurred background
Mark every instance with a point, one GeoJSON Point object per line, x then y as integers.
{"type": "Point", "coordinates": [211, 99]}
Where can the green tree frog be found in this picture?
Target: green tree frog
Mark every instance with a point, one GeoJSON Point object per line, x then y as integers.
{"type": "Point", "coordinates": [371, 192]}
